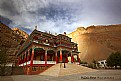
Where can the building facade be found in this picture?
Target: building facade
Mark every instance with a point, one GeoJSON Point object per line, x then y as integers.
{"type": "Point", "coordinates": [42, 50]}
{"type": "Point", "coordinates": [102, 63]}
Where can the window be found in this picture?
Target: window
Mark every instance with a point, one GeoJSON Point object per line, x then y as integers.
{"type": "Point", "coordinates": [102, 62]}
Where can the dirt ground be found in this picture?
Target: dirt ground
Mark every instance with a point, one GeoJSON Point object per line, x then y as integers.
{"type": "Point", "coordinates": [101, 75]}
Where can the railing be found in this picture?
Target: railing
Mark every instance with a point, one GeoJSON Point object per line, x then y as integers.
{"type": "Point", "coordinates": [38, 62]}
{"type": "Point", "coordinates": [36, 41]}
{"type": "Point", "coordinates": [26, 63]}
{"type": "Point", "coordinates": [51, 62]}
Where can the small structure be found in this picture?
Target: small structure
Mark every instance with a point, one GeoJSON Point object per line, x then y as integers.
{"type": "Point", "coordinates": [42, 50]}
{"type": "Point", "coordinates": [102, 63]}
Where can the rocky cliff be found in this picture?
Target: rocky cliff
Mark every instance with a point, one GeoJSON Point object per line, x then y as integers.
{"type": "Point", "coordinates": [9, 40]}
{"type": "Point", "coordinates": [21, 33]}
{"type": "Point", "coordinates": [97, 42]}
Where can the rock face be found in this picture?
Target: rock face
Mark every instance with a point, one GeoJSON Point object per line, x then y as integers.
{"type": "Point", "coordinates": [21, 33]}
{"type": "Point", "coordinates": [97, 42]}
{"type": "Point", "coordinates": [9, 40]}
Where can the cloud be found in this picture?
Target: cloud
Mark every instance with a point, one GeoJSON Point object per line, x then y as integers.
{"type": "Point", "coordinates": [8, 8]}
{"type": "Point", "coordinates": [102, 12]}
{"type": "Point", "coordinates": [5, 20]}
{"type": "Point", "coordinates": [59, 15]}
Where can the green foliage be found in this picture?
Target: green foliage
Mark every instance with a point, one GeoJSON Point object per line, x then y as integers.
{"type": "Point", "coordinates": [94, 61]}
{"type": "Point", "coordinates": [90, 65]}
{"type": "Point", "coordinates": [114, 59]}
{"type": "Point", "coordinates": [83, 62]}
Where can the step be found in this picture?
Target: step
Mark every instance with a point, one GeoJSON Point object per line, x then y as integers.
{"type": "Point", "coordinates": [59, 70]}
{"type": "Point", "coordinates": [52, 71]}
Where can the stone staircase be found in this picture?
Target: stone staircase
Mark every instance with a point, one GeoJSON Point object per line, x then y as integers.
{"type": "Point", "coordinates": [59, 70]}
{"type": "Point", "coordinates": [52, 71]}
{"type": "Point", "coordinates": [74, 69]}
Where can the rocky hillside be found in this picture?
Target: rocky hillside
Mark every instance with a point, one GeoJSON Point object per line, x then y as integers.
{"type": "Point", "coordinates": [9, 40]}
{"type": "Point", "coordinates": [97, 42]}
{"type": "Point", "coordinates": [22, 34]}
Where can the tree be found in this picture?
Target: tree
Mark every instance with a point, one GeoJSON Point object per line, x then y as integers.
{"type": "Point", "coordinates": [114, 60]}
{"type": "Point", "coordinates": [83, 62]}
{"type": "Point", "coordinates": [94, 63]}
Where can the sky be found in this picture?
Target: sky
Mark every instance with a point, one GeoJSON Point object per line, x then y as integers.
{"type": "Point", "coordinates": [58, 16]}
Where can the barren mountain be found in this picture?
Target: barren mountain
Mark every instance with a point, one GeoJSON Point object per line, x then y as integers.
{"type": "Point", "coordinates": [9, 40]}
{"type": "Point", "coordinates": [97, 42]}
{"type": "Point", "coordinates": [21, 33]}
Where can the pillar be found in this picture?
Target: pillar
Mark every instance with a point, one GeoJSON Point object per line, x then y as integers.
{"type": "Point", "coordinates": [61, 56]}
{"type": "Point", "coordinates": [45, 57]}
{"type": "Point", "coordinates": [26, 62]}
{"type": "Point", "coordinates": [24, 57]}
{"type": "Point", "coordinates": [56, 57]}
{"type": "Point", "coordinates": [72, 58]}
{"type": "Point", "coordinates": [32, 57]}
{"type": "Point", "coordinates": [20, 59]}
{"type": "Point", "coordinates": [27, 68]}
{"type": "Point", "coordinates": [31, 62]}
{"type": "Point", "coordinates": [78, 58]}
{"type": "Point", "coordinates": [28, 55]}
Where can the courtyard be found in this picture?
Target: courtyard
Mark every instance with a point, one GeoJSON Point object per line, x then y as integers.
{"type": "Point", "coordinates": [100, 75]}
